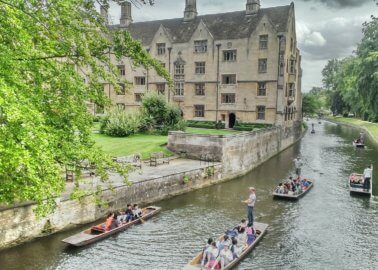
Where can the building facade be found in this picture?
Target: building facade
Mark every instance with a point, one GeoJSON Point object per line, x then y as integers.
{"type": "Point", "coordinates": [237, 66]}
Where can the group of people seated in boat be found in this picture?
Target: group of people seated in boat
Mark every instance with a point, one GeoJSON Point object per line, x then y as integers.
{"type": "Point", "coordinates": [359, 141]}
{"type": "Point", "coordinates": [293, 186]}
{"type": "Point", "coordinates": [115, 219]}
{"type": "Point", "coordinates": [356, 179]}
{"type": "Point", "coordinates": [218, 254]}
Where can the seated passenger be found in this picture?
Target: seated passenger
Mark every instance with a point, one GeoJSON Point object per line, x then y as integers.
{"type": "Point", "coordinates": [206, 250]}
{"type": "Point", "coordinates": [129, 213]}
{"type": "Point", "coordinates": [212, 256]}
{"type": "Point", "coordinates": [305, 184]}
{"type": "Point", "coordinates": [280, 189]}
{"type": "Point", "coordinates": [109, 222]}
{"type": "Point", "coordinates": [250, 234]}
{"type": "Point", "coordinates": [235, 248]}
{"type": "Point", "coordinates": [225, 256]}
{"type": "Point", "coordinates": [242, 239]}
{"type": "Point", "coordinates": [243, 224]}
{"type": "Point", "coordinates": [137, 213]}
{"type": "Point", "coordinates": [225, 240]}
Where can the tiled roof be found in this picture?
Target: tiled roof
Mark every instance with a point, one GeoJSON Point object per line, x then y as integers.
{"type": "Point", "coordinates": [231, 25]}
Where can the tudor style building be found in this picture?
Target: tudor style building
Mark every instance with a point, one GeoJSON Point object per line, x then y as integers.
{"type": "Point", "coordinates": [241, 65]}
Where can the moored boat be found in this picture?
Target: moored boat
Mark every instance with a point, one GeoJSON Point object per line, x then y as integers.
{"type": "Point", "coordinates": [294, 195]}
{"type": "Point", "coordinates": [358, 144]}
{"type": "Point", "coordinates": [356, 184]}
{"type": "Point", "coordinates": [93, 234]}
{"type": "Point", "coordinates": [195, 263]}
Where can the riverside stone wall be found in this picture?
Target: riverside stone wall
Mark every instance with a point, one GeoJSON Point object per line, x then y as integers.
{"type": "Point", "coordinates": [19, 224]}
{"type": "Point", "coordinates": [238, 153]}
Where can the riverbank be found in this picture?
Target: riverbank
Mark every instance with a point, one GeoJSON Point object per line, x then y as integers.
{"type": "Point", "coordinates": [227, 157]}
{"type": "Point", "coordinates": [370, 128]}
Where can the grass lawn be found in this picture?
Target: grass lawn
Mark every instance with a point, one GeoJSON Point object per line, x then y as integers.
{"type": "Point", "coordinates": [372, 127]}
{"type": "Point", "coordinates": [140, 143]}
{"type": "Point", "coordinates": [144, 144]}
{"type": "Point", "coordinates": [210, 131]}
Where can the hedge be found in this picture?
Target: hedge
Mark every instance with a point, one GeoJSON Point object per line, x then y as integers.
{"type": "Point", "coordinates": [205, 124]}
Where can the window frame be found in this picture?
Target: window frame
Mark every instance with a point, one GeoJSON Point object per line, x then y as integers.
{"type": "Point", "coordinates": [261, 89]}
{"type": "Point", "coordinates": [160, 48]}
{"type": "Point", "coordinates": [121, 70]}
{"type": "Point", "coordinates": [263, 42]}
{"type": "Point", "coordinates": [160, 91]}
{"type": "Point", "coordinates": [228, 98]}
{"type": "Point", "coordinates": [199, 89]}
{"type": "Point", "coordinates": [138, 97]}
{"type": "Point", "coordinates": [259, 112]}
{"type": "Point", "coordinates": [119, 105]}
{"type": "Point", "coordinates": [232, 82]}
{"type": "Point", "coordinates": [139, 79]}
{"type": "Point", "coordinates": [231, 55]}
{"type": "Point", "coordinates": [263, 68]}
{"type": "Point", "coordinates": [200, 68]}
{"type": "Point", "coordinates": [199, 110]}
{"type": "Point", "coordinates": [179, 88]}
{"type": "Point", "coordinates": [200, 46]}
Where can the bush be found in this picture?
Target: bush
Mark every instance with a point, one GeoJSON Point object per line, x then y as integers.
{"type": "Point", "coordinates": [157, 115]}
{"type": "Point", "coordinates": [249, 126]}
{"type": "Point", "coordinates": [117, 123]}
{"type": "Point", "coordinates": [206, 124]}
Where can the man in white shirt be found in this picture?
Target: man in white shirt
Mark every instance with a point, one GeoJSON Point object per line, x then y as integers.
{"type": "Point", "coordinates": [367, 176]}
{"type": "Point", "coordinates": [250, 205]}
{"type": "Point", "coordinates": [298, 164]}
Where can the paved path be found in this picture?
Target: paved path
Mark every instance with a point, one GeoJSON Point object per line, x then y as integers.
{"type": "Point", "coordinates": [175, 166]}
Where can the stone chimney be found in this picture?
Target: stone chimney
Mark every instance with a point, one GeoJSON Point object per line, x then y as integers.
{"type": "Point", "coordinates": [126, 18]}
{"type": "Point", "coordinates": [190, 12]}
{"type": "Point", "coordinates": [104, 14]}
{"type": "Point", "coordinates": [253, 6]}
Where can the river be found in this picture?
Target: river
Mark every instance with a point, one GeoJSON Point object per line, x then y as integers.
{"type": "Point", "coordinates": [326, 229]}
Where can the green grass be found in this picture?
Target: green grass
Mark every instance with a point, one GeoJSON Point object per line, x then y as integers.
{"type": "Point", "coordinates": [205, 131]}
{"type": "Point", "coordinates": [372, 127]}
{"type": "Point", "coordinates": [140, 143]}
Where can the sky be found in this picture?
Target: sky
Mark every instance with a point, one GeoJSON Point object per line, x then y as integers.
{"type": "Point", "coordinates": [326, 29]}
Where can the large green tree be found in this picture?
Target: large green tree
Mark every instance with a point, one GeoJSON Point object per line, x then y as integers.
{"type": "Point", "coordinates": [47, 49]}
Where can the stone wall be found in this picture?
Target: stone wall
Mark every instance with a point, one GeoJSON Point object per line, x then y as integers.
{"type": "Point", "coordinates": [238, 153]}
{"type": "Point", "coordinates": [19, 224]}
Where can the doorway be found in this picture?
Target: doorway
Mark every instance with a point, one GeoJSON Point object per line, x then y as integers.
{"type": "Point", "coordinates": [231, 120]}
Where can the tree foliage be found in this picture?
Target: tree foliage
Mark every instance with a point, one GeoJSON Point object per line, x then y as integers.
{"type": "Point", "coordinates": [47, 48]}
{"type": "Point", "coordinates": [353, 81]}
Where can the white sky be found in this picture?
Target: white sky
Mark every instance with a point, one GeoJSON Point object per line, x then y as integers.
{"type": "Point", "coordinates": [325, 28]}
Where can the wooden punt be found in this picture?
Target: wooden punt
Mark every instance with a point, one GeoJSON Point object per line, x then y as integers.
{"type": "Point", "coordinates": [89, 236]}
{"type": "Point", "coordinates": [195, 263]}
{"type": "Point", "coordinates": [358, 145]}
{"type": "Point", "coordinates": [294, 196]}
{"type": "Point", "coordinates": [358, 187]}
{"type": "Point", "coordinates": [313, 131]}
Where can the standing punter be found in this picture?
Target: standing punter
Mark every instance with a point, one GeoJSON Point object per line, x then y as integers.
{"type": "Point", "coordinates": [298, 164]}
{"type": "Point", "coordinates": [250, 204]}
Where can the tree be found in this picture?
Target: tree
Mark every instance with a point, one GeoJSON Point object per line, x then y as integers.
{"type": "Point", "coordinates": [46, 49]}
{"type": "Point", "coordinates": [367, 51]}
{"type": "Point", "coordinates": [310, 104]}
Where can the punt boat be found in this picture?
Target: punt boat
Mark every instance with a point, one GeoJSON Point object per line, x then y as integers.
{"type": "Point", "coordinates": [358, 145]}
{"type": "Point", "coordinates": [294, 195]}
{"type": "Point", "coordinates": [313, 131]}
{"type": "Point", "coordinates": [260, 228]}
{"type": "Point", "coordinates": [356, 184]}
{"type": "Point", "coordinates": [94, 234]}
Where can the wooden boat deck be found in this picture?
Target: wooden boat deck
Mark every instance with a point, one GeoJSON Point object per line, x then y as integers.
{"type": "Point", "coordinates": [88, 236]}
{"type": "Point", "coordinates": [294, 196]}
{"type": "Point", "coordinates": [195, 263]}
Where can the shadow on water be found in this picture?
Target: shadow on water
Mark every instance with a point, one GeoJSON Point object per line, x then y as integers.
{"type": "Point", "coordinates": [326, 229]}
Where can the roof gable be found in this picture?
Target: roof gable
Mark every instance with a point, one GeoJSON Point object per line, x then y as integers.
{"type": "Point", "coordinates": [223, 26]}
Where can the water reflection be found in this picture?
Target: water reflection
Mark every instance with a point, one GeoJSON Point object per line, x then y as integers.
{"type": "Point", "coordinates": [327, 229]}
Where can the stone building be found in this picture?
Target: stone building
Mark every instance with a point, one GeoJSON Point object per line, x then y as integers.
{"type": "Point", "coordinates": [241, 65]}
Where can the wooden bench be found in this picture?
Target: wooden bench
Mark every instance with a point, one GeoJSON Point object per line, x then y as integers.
{"type": "Point", "coordinates": [134, 160]}
{"type": "Point", "coordinates": [158, 158]}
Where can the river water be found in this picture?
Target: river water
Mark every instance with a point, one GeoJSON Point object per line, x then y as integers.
{"type": "Point", "coordinates": [326, 229]}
